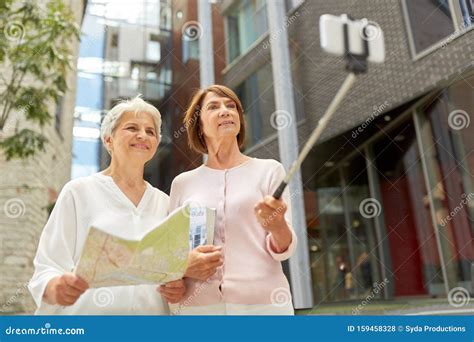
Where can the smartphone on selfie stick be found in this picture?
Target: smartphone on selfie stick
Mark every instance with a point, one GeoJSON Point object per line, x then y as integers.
{"type": "Point", "coordinates": [360, 42]}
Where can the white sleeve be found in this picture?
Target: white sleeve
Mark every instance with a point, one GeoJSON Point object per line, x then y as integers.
{"type": "Point", "coordinates": [56, 246]}
{"type": "Point", "coordinates": [175, 195]}
{"type": "Point", "coordinates": [276, 178]}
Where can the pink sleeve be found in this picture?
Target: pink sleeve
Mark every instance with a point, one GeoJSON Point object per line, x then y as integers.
{"type": "Point", "coordinates": [285, 254]}
{"type": "Point", "coordinates": [277, 176]}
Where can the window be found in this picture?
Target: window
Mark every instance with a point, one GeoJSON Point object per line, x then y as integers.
{"type": "Point", "coordinates": [147, 79]}
{"type": "Point", "coordinates": [153, 49]}
{"type": "Point", "coordinates": [114, 40]}
{"type": "Point", "coordinates": [165, 15]}
{"type": "Point", "coordinates": [343, 245]}
{"type": "Point", "coordinates": [190, 49]}
{"type": "Point", "coordinates": [291, 4]}
{"type": "Point", "coordinates": [246, 22]}
{"type": "Point", "coordinates": [143, 71]}
{"type": "Point", "coordinates": [467, 11]}
{"type": "Point", "coordinates": [233, 49]}
{"type": "Point", "coordinates": [447, 141]}
{"type": "Point", "coordinates": [409, 231]}
{"type": "Point", "coordinates": [257, 96]}
{"type": "Point", "coordinates": [432, 23]}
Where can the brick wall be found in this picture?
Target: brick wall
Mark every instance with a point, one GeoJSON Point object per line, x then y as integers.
{"type": "Point", "coordinates": [319, 75]}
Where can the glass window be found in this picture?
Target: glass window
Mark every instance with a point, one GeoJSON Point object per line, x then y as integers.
{"type": "Point", "coordinates": [114, 40]}
{"type": "Point", "coordinates": [448, 138]}
{"type": "Point", "coordinates": [342, 242]}
{"type": "Point", "coordinates": [190, 49]}
{"type": "Point", "coordinates": [258, 100]}
{"type": "Point", "coordinates": [429, 22]}
{"type": "Point", "coordinates": [460, 102]}
{"type": "Point", "coordinates": [145, 78]}
{"type": "Point", "coordinates": [364, 259]}
{"type": "Point", "coordinates": [332, 242]}
{"type": "Point", "coordinates": [412, 239]}
{"type": "Point", "coordinates": [142, 71]}
{"type": "Point", "coordinates": [153, 49]}
{"type": "Point", "coordinates": [294, 3]}
{"type": "Point", "coordinates": [233, 46]}
{"type": "Point", "coordinates": [165, 15]}
{"type": "Point", "coordinates": [246, 22]}
{"type": "Point", "coordinates": [261, 19]}
{"type": "Point", "coordinates": [467, 11]}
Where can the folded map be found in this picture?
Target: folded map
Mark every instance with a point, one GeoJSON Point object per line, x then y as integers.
{"type": "Point", "coordinates": [157, 256]}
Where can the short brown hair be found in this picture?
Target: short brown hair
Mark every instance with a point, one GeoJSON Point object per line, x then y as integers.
{"type": "Point", "coordinates": [192, 120]}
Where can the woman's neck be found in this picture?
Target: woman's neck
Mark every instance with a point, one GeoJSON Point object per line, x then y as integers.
{"type": "Point", "coordinates": [224, 155]}
{"type": "Point", "coordinates": [129, 175]}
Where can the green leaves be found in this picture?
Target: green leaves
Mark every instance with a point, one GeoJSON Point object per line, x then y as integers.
{"type": "Point", "coordinates": [23, 144]}
{"type": "Point", "coordinates": [36, 44]}
{"type": "Point", "coordinates": [33, 102]}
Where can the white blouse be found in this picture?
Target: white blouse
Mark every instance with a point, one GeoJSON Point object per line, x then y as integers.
{"type": "Point", "coordinates": [96, 201]}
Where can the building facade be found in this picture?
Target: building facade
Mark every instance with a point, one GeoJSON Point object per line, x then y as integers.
{"type": "Point", "coordinates": [186, 32]}
{"type": "Point", "coordinates": [124, 54]}
{"type": "Point", "coordinates": [388, 188]}
{"type": "Point", "coordinates": [149, 48]}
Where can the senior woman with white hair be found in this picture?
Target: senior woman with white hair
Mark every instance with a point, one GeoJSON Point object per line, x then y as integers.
{"type": "Point", "coordinates": [117, 199]}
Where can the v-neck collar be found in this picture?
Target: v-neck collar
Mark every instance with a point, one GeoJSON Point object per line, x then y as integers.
{"type": "Point", "coordinates": [124, 197]}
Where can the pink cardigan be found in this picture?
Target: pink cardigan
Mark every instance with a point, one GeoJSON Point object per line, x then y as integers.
{"type": "Point", "coordinates": [252, 271]}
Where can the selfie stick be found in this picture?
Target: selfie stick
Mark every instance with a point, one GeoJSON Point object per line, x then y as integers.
{"type": "Point", "coordinates": [356, 64]}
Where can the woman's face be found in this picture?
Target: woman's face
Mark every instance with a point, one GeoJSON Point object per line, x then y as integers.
{"type": "Point", "coordinates": [134, 139]}
{"type": "Point", "coordinates": [219, 118]}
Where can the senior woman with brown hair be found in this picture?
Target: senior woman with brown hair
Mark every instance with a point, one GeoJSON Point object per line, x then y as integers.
{"type": "Point", "coordinates": [252, 227]}
{"type": "Point", "coordinates": [121, 202]}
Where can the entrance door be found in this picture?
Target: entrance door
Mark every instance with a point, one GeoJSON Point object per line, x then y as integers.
{"type": "Point", "coordinates": [414, 255]}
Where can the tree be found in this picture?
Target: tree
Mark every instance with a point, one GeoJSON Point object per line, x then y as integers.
{"type": "Point", "coordinates": [36, 39]}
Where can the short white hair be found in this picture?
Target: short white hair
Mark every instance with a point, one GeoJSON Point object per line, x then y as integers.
{"type": "Point", "coordinates": [135, 105]}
